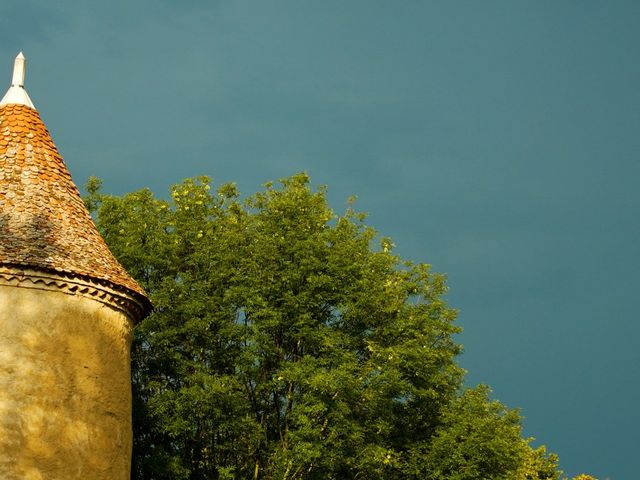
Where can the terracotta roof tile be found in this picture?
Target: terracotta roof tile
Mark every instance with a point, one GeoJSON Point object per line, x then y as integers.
{"type": "Point", "coordinates": [43, 221]}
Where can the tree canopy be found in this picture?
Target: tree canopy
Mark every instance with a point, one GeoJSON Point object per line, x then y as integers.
{"type": "Point", "coordinates": [291, 342]}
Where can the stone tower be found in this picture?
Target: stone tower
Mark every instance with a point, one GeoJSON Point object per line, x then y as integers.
{"type": "Point", "coordinates": [67, 309]}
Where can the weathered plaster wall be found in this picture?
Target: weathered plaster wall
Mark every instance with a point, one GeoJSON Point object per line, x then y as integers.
{"type": "Point", "coordinates": [65, 392]}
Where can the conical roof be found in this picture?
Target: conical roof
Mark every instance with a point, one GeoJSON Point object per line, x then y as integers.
{"type": "Point", "coordinates": [44, 224]}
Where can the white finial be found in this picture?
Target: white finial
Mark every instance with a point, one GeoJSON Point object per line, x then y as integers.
{"type": "Point", "coordinates": [19, 71]}
{"type": "Point", "coordinates": [16, 93]}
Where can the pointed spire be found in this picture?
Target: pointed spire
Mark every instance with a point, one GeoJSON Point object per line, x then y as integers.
{"type": "Point", "coordinates": [16, 93]}
{"type": "Point", "coordinates": [44, 224]}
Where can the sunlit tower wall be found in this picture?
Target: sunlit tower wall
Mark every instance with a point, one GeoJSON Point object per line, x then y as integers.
{"type": "Point", "coordinates": [67, 311]}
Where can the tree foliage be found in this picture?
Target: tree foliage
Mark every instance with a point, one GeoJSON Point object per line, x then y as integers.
{"type": "Point", "coordinates": [289, 342]}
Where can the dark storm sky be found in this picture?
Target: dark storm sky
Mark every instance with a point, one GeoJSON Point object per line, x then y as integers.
{"type": "Point", "coordinates": [497, 140]}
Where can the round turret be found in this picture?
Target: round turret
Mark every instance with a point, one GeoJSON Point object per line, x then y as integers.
{"type": "Point", "coordinates": [67, 309]}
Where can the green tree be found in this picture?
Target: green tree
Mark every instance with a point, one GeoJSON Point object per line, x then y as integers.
{"type": "Point", "coordinates": [288, 342]}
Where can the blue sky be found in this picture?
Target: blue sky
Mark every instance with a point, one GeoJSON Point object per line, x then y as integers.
{"type": "Point", "coordinates": [496, 140]}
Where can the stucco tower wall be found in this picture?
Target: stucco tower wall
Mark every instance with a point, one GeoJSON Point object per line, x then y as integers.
{"type": "Point", "coordinates": [65, 391]}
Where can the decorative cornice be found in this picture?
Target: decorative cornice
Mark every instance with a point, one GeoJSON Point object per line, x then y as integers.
{"type": "Point", "coordinates": [73, 284]}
